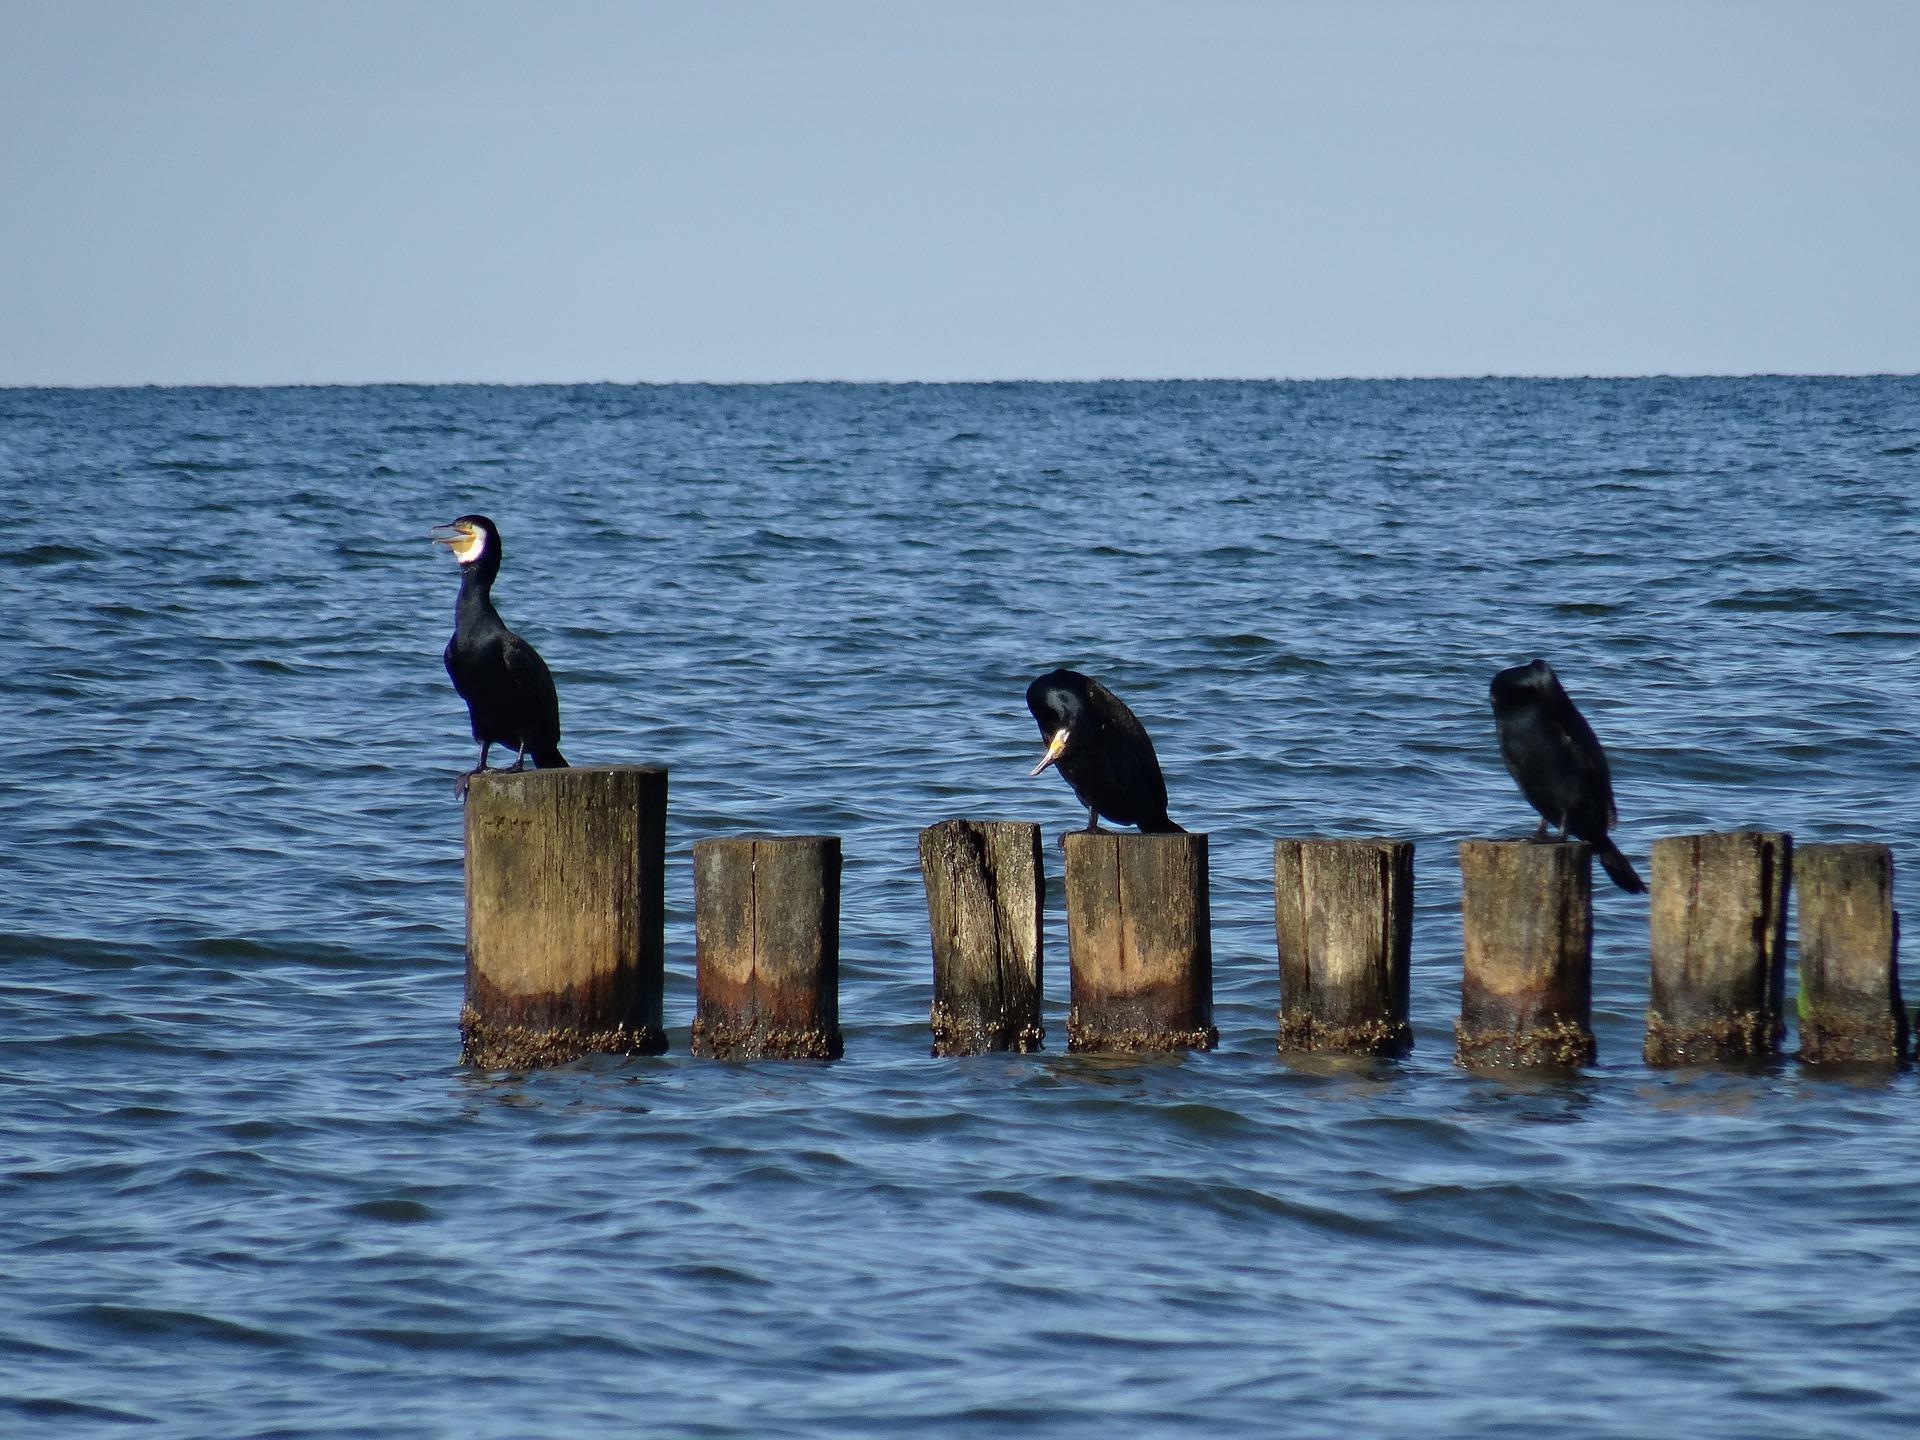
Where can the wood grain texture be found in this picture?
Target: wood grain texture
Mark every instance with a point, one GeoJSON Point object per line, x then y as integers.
{"type": "Point", "coordinates": [1139, 942]}
{"type": "Point", "coordinates": [1718, 946]}
{"type": "Point", "coordinates": [1526, 985]}
{"type": "Point", "coordinates": [985, 897]}
{"type": "Point", "coordinates": [565, 914]}
{"type": "Point", "coordinates": [1343, 926]}
{"type": "Point", "coordinates": [767, 947]}
{"type": "Point", "coordinates": [1850, 1006]}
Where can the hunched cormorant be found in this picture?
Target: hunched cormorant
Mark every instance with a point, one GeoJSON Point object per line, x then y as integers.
{"type": "Point", "coordinates": [1102, 750]}
{"type": "Point", "coordinates": [1556, 758]}
{"type": "Point", "coordinates": [507, 686]}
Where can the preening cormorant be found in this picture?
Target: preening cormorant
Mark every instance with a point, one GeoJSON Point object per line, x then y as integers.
{"type": "Point", "coordinates": [1102, 750]}
{"type": "Point", "coordinates": [1556, 758]}
{"type": "Point", "coordinates": [507, 686]}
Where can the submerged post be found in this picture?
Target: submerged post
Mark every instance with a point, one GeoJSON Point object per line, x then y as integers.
{"type": "Point", "coordinates": [767, 947]}
{"type": "Point", "coordinates": [1526, 987]}
{"type": "Point", "coordinates": [1850, 1007]}
{"type": "Point", "coordinates": [1343, 924]}
{"type": "Point", "coordinates": [1719, 956]}
{"type": "Point", "coordinates": [1139, 942]}
{"type": "Point", "coordinates": [984, 897]}
{"type": "Point", "coordinates": [565, 914]}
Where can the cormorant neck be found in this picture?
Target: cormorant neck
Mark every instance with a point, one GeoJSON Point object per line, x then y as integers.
{"type": "Point", "coordinates": [476, 585]}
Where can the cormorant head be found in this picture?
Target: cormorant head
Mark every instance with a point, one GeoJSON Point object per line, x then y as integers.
{"type": "Point", "coordinates": [1534, 680]}
{"type": "Point", "coordinates": [471, 538]}
{"type": "Point", "coordinates": [1062, 705]}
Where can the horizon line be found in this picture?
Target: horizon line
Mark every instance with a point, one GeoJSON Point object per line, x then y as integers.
{"type": "Point", "coordinates": [1408, 378]}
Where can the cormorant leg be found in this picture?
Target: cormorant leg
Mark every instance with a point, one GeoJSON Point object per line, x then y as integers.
{"type": "Point", "coordinates": [1540, 832]}
{"type": "Point", "coordinates": [520, 761]}
{"type": "Point", "coordinates": [460, 784]}
{"type": "Point", "coordinates": [1093, 822]}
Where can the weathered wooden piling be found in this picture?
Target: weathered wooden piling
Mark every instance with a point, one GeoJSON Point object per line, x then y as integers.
{"type": "Point", "coordinates": [565, 914]}
{"type": "Point", "coordinates": [1850, 1006]}
{"type": "Point", "coordinates": [1526, 987]}
{"type": "Point", "coordinates": [767, 947]}
{"type": "Point", "coordinates": [1139, 942]}
{"type": "Point", "coordinates": [1719, 951]}
{"type": "Point", "coordinates": [985, 892]}
{"type": "Point", "coordinates": [1343, 925]}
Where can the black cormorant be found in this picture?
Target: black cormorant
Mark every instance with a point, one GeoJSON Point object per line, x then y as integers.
{"type": "Point", "coordinates": [1102, 750]}
{"type": "Point", "coordinates": [507, 686]}
{"type": "Point", "coordinates": [1556, 758]}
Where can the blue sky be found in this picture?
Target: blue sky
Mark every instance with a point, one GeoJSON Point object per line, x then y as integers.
{"type": "Point", "coordinates": [296, 191]}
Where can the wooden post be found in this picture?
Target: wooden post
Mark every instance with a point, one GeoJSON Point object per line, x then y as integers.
{"type": "Point", "coordinates": [1719, 933]}
{"type": "Point", "coordinates": [1850, 1008]}
{"type": "Point", "coordinates": [1526, 988]}
{"type": "Point", "coordinates": [984, 897]}
{"type": "Point", "coordinates": [767, 947]}
{"type": "Point", "coordinates": [565, 914]}
{"type": "Point", "coordinates": [1139, 944]}
{"type": "Point", "coordinates": [1343, 923]}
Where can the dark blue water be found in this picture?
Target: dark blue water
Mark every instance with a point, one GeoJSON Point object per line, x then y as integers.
{"type": "Point", "coordinates": [246, 1189]}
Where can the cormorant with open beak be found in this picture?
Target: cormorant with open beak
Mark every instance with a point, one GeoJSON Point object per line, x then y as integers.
{"type": "Point", "coordinates": [1556, 758]}
{"type": "Point", "coordinates": [1102, 750]}
{"type": "Point", "coordinates": [507, 686]}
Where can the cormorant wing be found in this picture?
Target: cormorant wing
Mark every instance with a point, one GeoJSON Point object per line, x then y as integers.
{"type": "Point", "coordinates": [1115, 715]}
{"type": "Point", "coordinates": [1583, 748]}
{"type": "Point", "coordinates": [1128, 756]}
{"type": "Point", "coordinates": [530, 675]}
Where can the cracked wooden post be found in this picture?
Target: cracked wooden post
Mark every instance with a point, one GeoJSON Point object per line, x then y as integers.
{"type": "Point", "coordinates": [1343, 925]}
{"type": "Point", "coordinates": [984, 903]}
{"type": "Point", "coordinates": [767, 947]}
{"type": "Point", "coordinates": [1139, 943]}
{"type": "Point", "coordinates": [1526, 987]}
{"type": "Point", "coordinates": [565, 914]}
{"type": "Point", "coordinates": [1850, 1007]}
{"type": "Point", "coordinates": [1719, 952]}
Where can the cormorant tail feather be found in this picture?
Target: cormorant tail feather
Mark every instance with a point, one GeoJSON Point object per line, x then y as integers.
{"type": "Point", "coordinates": [1619, 869]}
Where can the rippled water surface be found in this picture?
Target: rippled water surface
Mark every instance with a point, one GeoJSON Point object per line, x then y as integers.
{"type": "Point", "coordinates": [246, 1188]}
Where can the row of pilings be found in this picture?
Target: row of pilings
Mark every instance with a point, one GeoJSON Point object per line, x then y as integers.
{"type": "Point", "coordinates": [566, 919]}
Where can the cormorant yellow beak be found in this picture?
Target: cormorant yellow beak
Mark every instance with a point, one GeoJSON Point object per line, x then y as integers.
{"type": "Point", "coordinates": [465, 541]}
{"type": "Point", "coordinates": [1054, 748]}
